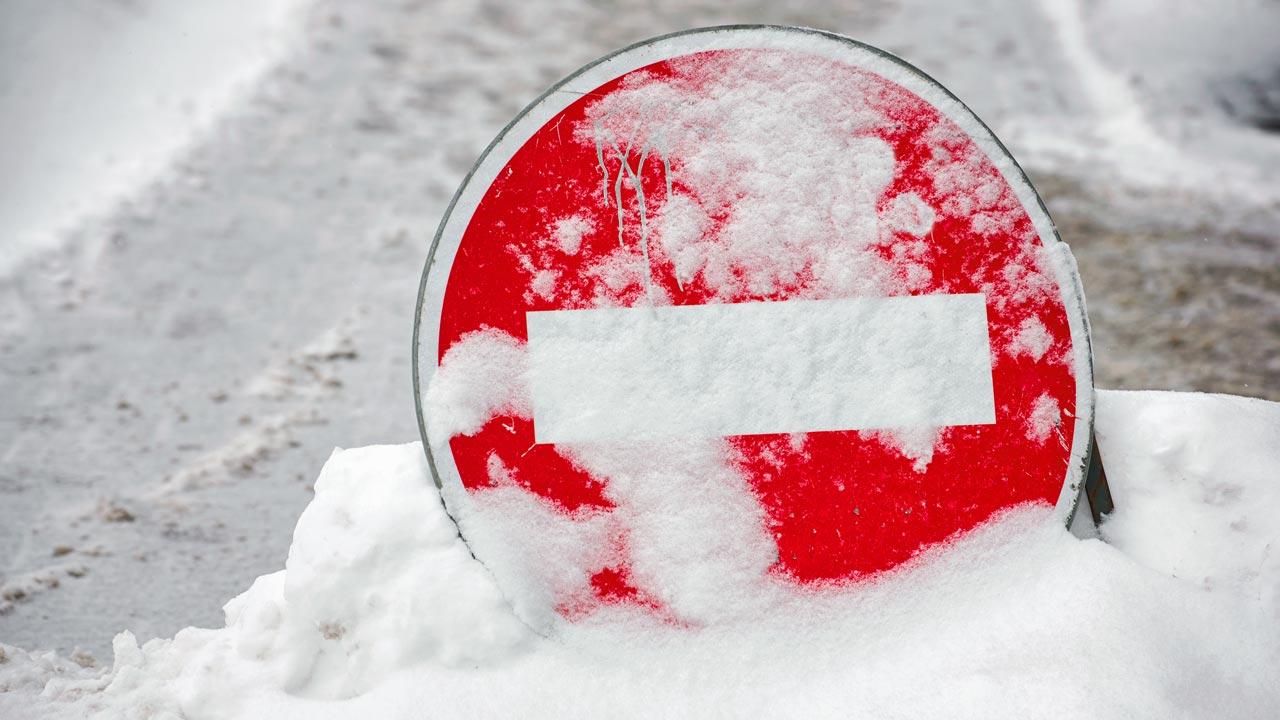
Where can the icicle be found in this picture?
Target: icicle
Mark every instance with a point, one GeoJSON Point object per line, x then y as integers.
{"type": "Point", "coordinates": [604, 185]}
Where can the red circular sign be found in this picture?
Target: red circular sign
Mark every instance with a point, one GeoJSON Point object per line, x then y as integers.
{"type": "Point", "coordinates": [728, 179]}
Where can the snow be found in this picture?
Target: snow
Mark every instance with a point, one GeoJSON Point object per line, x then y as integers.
{"type": "Point", "coordinates": [1204, 464]}
{"type": "Point", "coordinates": [794, 172]}
{"type": "Point", "coordinates": [1032, 339]}
{"type": "Point", "coordinates": [697, 533]}
{"type": "Point", "coordinates": [149, 76]}
{"type": "Point", "coordinates": [1196, 114]}
{"type": "Point", "coordinates": [168, 335]}
{"type": "Point", "coordinates": [380, 603]}
{"type": "Point", "coordinates": [483, 375]}
{"type": "Point", "coordinates": [569, 232]}
{"type": "Point", "coordinates": [1045, 417]}
{"type": "Point", "coordinates": [1147, 100]}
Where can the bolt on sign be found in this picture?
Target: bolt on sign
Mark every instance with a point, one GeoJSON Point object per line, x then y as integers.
{"type": "Point", "coordinates": [738, 313]}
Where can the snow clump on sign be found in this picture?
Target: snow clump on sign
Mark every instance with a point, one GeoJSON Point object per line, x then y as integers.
{"type": "Point", "coordinates": [569, 232]}
{"type": "Point", "coordinates": [684, 519]}
{"type": "Point", "coordinates": [797, 186]}
{"type": "Point", "coordinates": [492, 381]}
{"type": "Point", "coordinates": [1032, 339]}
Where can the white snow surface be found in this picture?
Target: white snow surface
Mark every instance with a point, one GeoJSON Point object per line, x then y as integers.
{"type": "Point", "coordinates": [97, 100]}
{"type": "Point", "coordinates": [1132, 94]}
{"type": "Point", "coordinates": [1192, 462]}
{"type": "Point", "coordinates": [381, 605]}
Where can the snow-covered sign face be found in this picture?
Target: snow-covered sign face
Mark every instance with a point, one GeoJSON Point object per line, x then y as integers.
{"type": "Point", "coordinates": [742, 314]}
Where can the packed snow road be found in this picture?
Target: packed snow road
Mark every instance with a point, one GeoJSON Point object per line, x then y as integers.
{"type": "Point", "coordinates": [175, 367]}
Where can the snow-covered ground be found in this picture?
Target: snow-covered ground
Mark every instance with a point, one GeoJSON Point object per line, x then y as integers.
{"type": "Point", "coordinates": [99, 97]}
{"type": "Point", "coordinates": [212, 224]}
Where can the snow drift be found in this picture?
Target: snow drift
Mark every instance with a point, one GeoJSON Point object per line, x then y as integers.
{"type": "Point", "coordinates": [382, 609]}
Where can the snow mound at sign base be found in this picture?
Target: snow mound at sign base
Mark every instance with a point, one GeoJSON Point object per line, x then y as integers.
{"type": "Point", "coordinates": [382, 606]}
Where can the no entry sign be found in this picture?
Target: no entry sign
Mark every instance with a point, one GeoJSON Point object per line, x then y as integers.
{"type": "Point", "coordinates": [738, 311]}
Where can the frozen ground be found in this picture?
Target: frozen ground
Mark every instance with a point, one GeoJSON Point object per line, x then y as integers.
{"type": "Point", "coordinates": [180, 352]}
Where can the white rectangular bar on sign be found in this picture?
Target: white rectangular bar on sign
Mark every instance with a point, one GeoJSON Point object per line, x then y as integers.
{"type": "Point", "coordinates": [765, 367]}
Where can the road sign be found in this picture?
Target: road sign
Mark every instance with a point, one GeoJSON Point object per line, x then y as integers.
{"type": "Point", "coordinates": [738, 311]}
